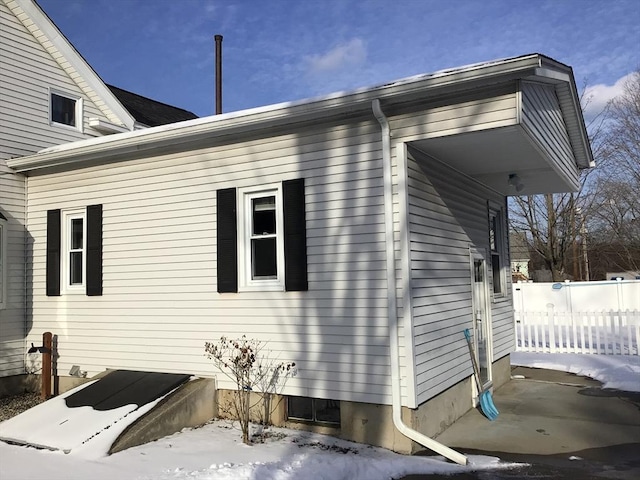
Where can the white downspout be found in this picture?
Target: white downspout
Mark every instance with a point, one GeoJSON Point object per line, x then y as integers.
{"type": "Point", "coordinates": [392, 302]}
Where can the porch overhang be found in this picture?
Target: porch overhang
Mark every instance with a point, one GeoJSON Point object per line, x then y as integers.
{"type": "Point", "coordinates": [491, 156]}
{"type": "Point", "coordinates": [534, 155]}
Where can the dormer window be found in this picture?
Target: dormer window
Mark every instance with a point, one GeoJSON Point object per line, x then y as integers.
{"type": "Point", "coordinates": [65, 110]}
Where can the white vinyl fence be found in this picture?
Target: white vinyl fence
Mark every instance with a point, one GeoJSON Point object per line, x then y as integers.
{"type": "Point", "coordinates": [611, 332]}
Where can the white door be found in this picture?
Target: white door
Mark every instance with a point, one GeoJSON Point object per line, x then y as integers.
{"type": "Point", "coordinates": [481, 317]}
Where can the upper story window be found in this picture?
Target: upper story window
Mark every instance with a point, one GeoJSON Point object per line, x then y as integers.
{"type": "Point", "coordinates": [65, 110]}
{"type": "Point", "coordinates": [261, 241]}
{"type": "Point", "coordinates": [496, 244]}
{"type": "Point", "coordinates": [3, 261]}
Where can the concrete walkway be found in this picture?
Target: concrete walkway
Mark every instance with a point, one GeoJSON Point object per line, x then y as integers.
{"type": "Point", "coordinates": [549, 413]}
{"type": "Point", "coordinates": [561, 424]}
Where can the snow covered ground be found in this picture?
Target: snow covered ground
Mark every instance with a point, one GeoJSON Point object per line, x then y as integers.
{"type": "Point", "coordinates": [621, 372]}
{"type": "Point", "coordinates": [215, 452]}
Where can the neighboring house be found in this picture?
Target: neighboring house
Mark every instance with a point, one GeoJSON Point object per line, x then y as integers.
{"type": "Point", "coordinates": [358, 234]}
{"type": "Point", "coordinates": [520, 256]}
{"type": "Point", "coordinates": [49, 95]}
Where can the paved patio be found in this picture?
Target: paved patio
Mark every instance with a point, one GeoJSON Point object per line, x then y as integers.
{"type": "Point", "coordinates": [563, 425]}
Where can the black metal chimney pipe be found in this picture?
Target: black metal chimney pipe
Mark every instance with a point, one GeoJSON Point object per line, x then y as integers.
{"type": "Point", "coordinates": [218, 39]}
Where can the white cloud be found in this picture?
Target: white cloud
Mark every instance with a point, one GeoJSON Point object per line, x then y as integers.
{"type": "Point", "coordinates": [597, 96]}
{"type": "Point", "coordinates": [352, 53]}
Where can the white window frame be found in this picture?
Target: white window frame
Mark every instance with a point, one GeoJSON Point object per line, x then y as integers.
{"type": "Point", "coordinates": [67, 218]}
{"type": "Point", "coordinates": [4, 244]}
{"type": "Point", "coordinates": [79, 126]}
{"type": "Point", "coordinates": [496, 212]}
{"type": "Point", "coordinates": [245, 196]}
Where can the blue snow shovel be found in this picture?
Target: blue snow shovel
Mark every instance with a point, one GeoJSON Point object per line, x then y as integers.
{"type": "Point", "coordinates": [486, 400]}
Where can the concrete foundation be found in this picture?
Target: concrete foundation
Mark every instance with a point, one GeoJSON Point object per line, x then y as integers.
{"type": "Point", "coordinates": [17, 384]}
{"type": "Point", "coordinates": [191, 405]}
{"type": "Point", "coordinates": [501, 370]}
{"type": "Point", "coordinates": [371, 423]}
{"type": "Point", "coordinates": [268, 410]}
{"type": "Point", "coordinates": [198, 402]}
{"type": "Point", "coordinates": [440, 412]}
{"type": "Point", "coordinates": [64, 384]}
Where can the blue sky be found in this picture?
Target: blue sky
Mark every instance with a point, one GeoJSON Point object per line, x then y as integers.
{"type": "Point", "coordinates": [281, 50]}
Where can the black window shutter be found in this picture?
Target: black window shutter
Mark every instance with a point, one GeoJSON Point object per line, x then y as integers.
{"type": "Point", "coordinates": [295, 236]}
{"type": "Point", "coordinates": [53, 253]}
{"type": "Point", "coordinates": [94, 250]}
{"type": "Point", "coordinates": [227, 254]}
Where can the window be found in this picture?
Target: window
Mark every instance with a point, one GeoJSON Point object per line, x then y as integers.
{"type": "Point", "coordinates": [261, 238]}
{"type": "Point", "coordinates": [315, 410]}
{"type": "Point", "coordinates": [74, 248]}
{"type": "Point", "coordinates": [74, 251]}
{"type": "Point", "coordinates": [496, 244]}
{"type": "Point", "coordinates": [3, 261]}
{"type": "Point", "coordinates": [261, 242]}
{"type": "Point", "coordinates": [65, 110]}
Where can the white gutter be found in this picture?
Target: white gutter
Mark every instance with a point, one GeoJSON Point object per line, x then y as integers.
{"type": "Point", "coordinates": [392, 310]}
{"type": "Point", "coordinates": [179, 135]}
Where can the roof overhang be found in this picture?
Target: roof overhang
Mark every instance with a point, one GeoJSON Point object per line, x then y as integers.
{"type": "Point", "coordinates": [215, 129]}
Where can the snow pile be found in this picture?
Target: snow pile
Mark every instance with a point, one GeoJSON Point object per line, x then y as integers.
{"type": "Point", "coordinates": [73, 428]}
{"type": "Point", "coordinates": [215, 452]}
{"type": "Point", "coordinates": [621, 372]}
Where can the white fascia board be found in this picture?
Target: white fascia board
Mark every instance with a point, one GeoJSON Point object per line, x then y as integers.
{"type": "Point", "coordinates": [356, 102]}
{"type": "Point", "coordinates": [562, 76]}
{"type": "Point", "coordinates": [68, 51]}
{"type": "Point", "coordinates": [106, 127]}
{"type": "Point", "coordinates": [552, 76]}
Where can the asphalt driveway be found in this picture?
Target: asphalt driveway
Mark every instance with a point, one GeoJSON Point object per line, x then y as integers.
{"type": "Point", "coordinates": [559, 424]}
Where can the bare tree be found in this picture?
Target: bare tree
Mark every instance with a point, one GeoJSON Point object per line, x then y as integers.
{"type": "Point", "coordinates": [556, 225]}
{"type": "Point", "coordinates": [615, 220]}
{"type": "Point", "coordinates": [551, 227]}
{"type": "Point", "coordinates": [623, 133]}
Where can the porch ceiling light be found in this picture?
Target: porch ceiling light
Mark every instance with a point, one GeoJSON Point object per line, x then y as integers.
{"type": "Point", "coordinates": [514, 181]}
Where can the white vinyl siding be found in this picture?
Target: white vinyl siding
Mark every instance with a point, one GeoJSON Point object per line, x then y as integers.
{"type": "Point", "coordinates": [12, 316]}
{"type": "Point", "coordinates": [479, 110]}
{"type": "Point", "coordinates": [3, 261]}
{"type": "Point", "coordinates": [160, 301]}
{"type": "Point", "coordinates": [543, 120]}
{"type": "Point", "coordinates": [447, 214]}
{"type": "Point", "coordinates": [27, 73]}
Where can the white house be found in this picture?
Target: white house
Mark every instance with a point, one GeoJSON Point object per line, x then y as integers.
{"type": "Point", "coordinates": [49, 95]}
{"type": "Point", "coordinates": [358, 234]}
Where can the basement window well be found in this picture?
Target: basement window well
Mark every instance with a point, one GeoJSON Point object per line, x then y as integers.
{"type": "Point", "coordinates": [315, 410]}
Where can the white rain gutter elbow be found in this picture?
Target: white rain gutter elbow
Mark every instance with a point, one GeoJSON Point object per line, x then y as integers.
{"type": "Point", "coordinates": [392, 310]}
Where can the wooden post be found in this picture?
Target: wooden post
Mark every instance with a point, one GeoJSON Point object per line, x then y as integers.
{"type": "Point", "coordinates": [47, 343]}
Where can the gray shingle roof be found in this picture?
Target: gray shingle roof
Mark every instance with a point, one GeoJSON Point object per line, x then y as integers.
{"type": "Point", "coordinates": [150, 112]}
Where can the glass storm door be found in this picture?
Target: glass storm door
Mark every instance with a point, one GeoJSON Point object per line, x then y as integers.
{"type": "Point", "coordinates": [480, 317]}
